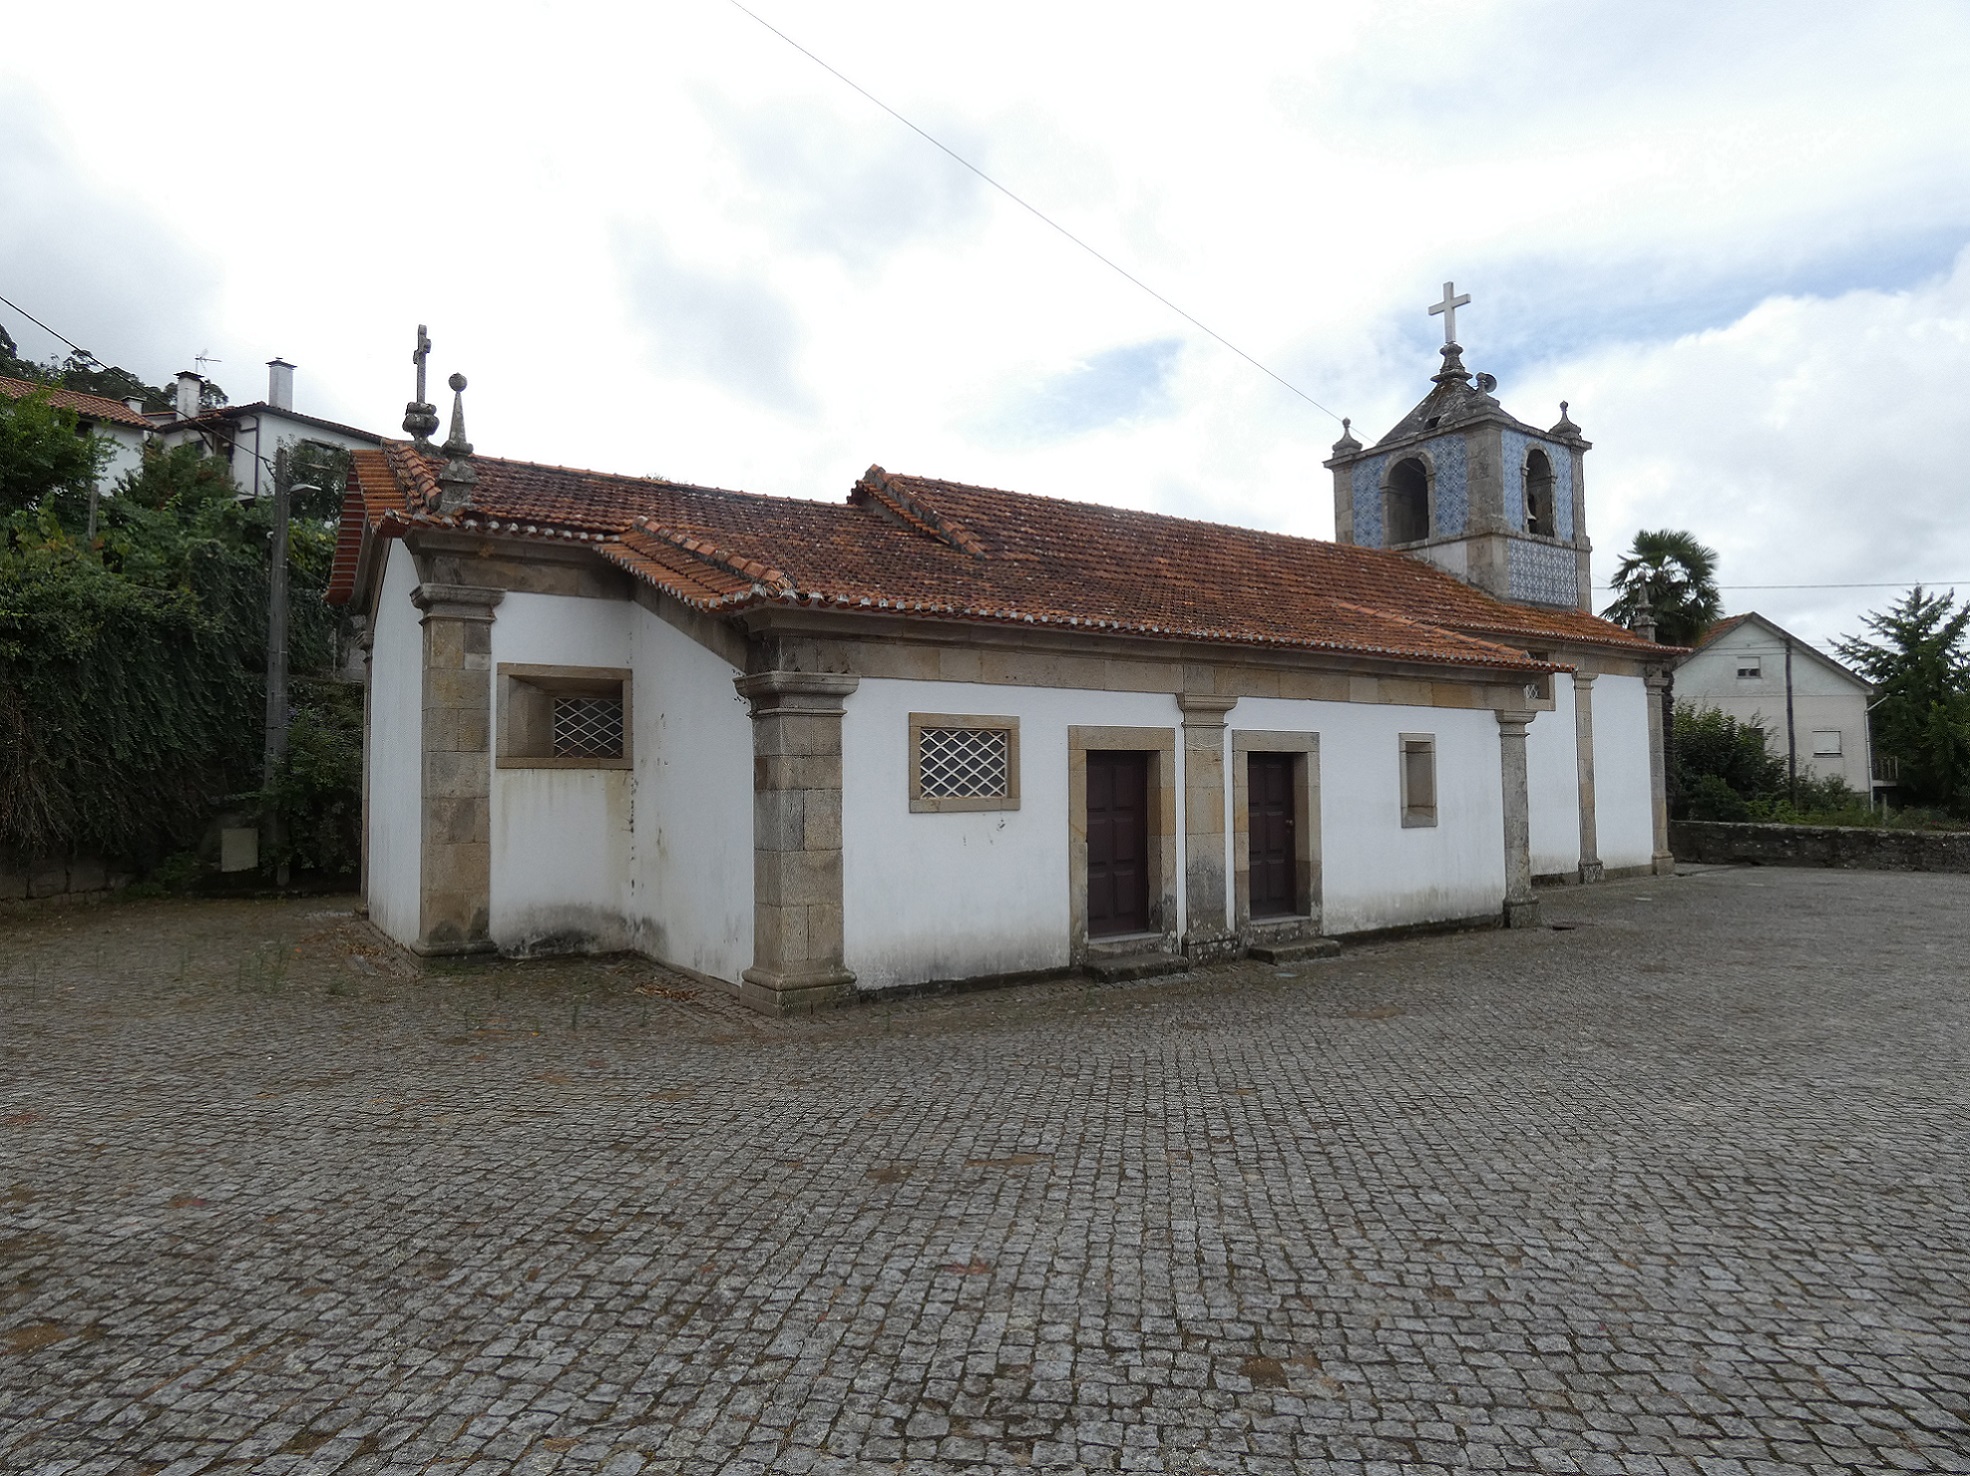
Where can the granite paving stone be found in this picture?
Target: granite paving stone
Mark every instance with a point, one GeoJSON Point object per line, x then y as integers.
{"type": "Point", "coordinates": [1676, 1186]}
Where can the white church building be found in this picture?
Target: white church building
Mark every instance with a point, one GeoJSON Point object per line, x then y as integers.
{"type": "Point", "coordinates": [942, 732]}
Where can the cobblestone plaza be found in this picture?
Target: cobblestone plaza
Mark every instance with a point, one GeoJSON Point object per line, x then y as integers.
{"type": "Point", "coordinates": [1675, 1185]}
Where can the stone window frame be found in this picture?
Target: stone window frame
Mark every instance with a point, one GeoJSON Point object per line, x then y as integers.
{"type": "Point", "coordinates": [526, 713]}
{"type": "Point", "coordinates": [1838, 735]}
{"type": "Point", "coordinates": [1161, 746]}
{"type": "Point", "coordinates": [1305, 747]}
{"type": "Point", "coordinates": [923, 804]}
{"type": "Point", "coordinates": [1428, 462]}
{"type": "Point", "coordinates": [1415, 815]}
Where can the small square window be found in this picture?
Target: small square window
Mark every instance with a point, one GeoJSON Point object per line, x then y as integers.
{"type": "Point", "coordinates": [963, 762]}
{"type": "Point", "coordinates": [1750, 668]}
{"type": "Point", "coordinates": [563, 717]}
{"type": "Point", "coordinates": [1826, 743]}
{"type": "Point", "coordinates": [1418, 756]}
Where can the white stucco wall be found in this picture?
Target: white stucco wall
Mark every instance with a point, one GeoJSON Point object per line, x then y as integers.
{"type": "Point", "coordinates": [947, 896]}
{"type": "Point", "coordinates": [1552, 775]}
{"type": "Point", "coordinates": [394, 753]}
{"type": "Point", "coordinates": [1374, 872]}
{"type": "Point", "coordinates": [126, 452]}
{"type": "Point", "coordinates": [1824, 698]}
{"type": "Point", "coordinates": [560, 837]}
{"type": "Point", "coordinates": [691, 875]}
{"type": "Point", "coordinates": [929, 896]}
{"type": "Point", "coordinates": [1624, 816]}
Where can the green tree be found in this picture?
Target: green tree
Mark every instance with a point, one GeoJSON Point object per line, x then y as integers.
{"type": "Point", "coordinates": [42, 458]}
{"type": "Point", "coordinates": [1676, 577]}
{"type": "Point", "coordinates": [1919, 658]}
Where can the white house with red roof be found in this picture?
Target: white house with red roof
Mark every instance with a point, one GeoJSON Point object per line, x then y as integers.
{"type": "Point", "coordinates": [937, 732]}
{"type": "Point", "coordinates": [247, 437]}
{"type": "Point", "coordinates": [1813, 710]}
{"type": "Point", "coordinates": [120, 423]}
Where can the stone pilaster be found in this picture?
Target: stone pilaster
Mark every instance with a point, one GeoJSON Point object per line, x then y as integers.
{"type": "Point", "coordinates": [796, 829]}
{"type": "Point", "coordinates": [1521, 907]}
{"type": "Point", "coordinates": [1583, 761]}
{"type": "Point", "coordinates": [455, 889]}
{"type": "Point", "coordinates": [1208, 934]}
{"type": "Point", "coordinates": [366, 642]}
{"type": "Point", "coordinates": [1662, 863]}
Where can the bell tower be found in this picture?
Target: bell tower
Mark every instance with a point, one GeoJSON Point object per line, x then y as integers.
{"type": "Point", "coordinates": [1475, 491]}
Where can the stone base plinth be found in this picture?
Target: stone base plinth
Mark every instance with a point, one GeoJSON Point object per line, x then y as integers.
{"type": "Point", "coordinates": [794, 994]}
{"type": "Point", "coordinates": [1522, 914]}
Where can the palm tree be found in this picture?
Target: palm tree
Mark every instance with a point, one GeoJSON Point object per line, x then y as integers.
{"type": "Point", "coordinates": [1675, 578]}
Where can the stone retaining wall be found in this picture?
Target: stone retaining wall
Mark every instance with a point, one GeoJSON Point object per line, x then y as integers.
{"type": "Point", "coordinates": [39, 880]}
{"type": "Point", "coordinates": [1724, 843]}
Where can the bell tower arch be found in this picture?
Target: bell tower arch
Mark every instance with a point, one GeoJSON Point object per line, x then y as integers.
{"type": "Point", "coordinates": [1461, 482]}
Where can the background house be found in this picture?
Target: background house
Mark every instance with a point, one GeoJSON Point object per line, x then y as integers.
{"type": "Point", "coordinates": [122, 423]}
{"type": "Point", "coordinates": [1810, 706]}
{"type": "Point", "coordinates": [248, 435]}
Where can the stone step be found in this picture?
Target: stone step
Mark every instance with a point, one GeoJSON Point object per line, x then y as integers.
{"type": "Point", "coordinates": [1298, 952]}
{"type": "Point", "coordinates": [1121, 969]}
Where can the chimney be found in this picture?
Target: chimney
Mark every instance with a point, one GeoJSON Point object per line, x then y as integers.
{"type": "Point", "coordinates": [134, 403]}
{"type": "Point", "coordinates": [280, 384]}
{"type": "Point", "coordinates": [189, 385]}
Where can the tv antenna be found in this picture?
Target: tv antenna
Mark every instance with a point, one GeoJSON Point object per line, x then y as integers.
{"type": "Point", "coordinates": [201, 360]}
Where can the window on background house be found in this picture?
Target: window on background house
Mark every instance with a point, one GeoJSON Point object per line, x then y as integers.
{"type": "Point", "coordinates": [563, 717]}
{"type": "Point", "coordinates": [963, 762]}
{"type": "Point", "coordinates": [1750, 668]}
{"type": "Point", "coordinates": [1826, 743]}
{"type": "Point", "coordinates": [1418, 752]}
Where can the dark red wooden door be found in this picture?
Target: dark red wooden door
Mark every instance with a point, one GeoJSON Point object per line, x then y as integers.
{"type": "Point", "coordinates": [1118, 843]}
{"type": "Point", "coordinates": [1269, 824]}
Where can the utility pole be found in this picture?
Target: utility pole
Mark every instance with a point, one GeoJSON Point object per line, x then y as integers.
{"type": "Point", "coordinates": [277, 654]}
{"type": "Point", "coordinates": [1791, 733]}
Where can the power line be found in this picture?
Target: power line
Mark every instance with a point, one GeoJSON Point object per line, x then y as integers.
{"type": "Point", "coordinates": [46, 329]}
{"type": "Point", "coordinates": [1035, 211]}
{"type": "Point", "coordinates": [1889, 584]}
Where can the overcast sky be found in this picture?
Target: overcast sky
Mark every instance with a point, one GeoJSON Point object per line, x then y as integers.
{"type": "Point", "coordinates": [660, 240]}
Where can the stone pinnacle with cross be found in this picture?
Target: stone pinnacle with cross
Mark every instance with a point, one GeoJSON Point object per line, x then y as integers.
{"type": "Point", "coordinates": [420, 415]}
{"type": "Point", "coordinates": [1448, 308]}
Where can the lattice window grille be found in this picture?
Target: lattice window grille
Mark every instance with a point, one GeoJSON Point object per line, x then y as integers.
{"type": "Point", "coordinates": [964, 763]}
{"type": "Point", "coordinates": [588, 727]}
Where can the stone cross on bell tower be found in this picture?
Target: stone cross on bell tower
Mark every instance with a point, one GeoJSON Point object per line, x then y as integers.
{"type": "Point", "coordinates": [420, 416]}
{"type": "Point", "coordinates": [1466, 485]}
{"type": "Point", "coordinates": [1448, 308]}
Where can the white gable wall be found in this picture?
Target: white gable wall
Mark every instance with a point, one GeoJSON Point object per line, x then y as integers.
{"type": "Point", "coordinates": [394, 754]}
{"type": "Point", "coordinates": [1374, 872]}
{"type": "Point", "coordinates": [1624, 804]}
{"type": "Point", "coordinates": [691, 878]}
{"type": "Point", "coordinates": [1552, 777]}
{"type": "Point", "coordinates": [560, 837]}
{"type": "Point", "coordinates": [1824, 698]}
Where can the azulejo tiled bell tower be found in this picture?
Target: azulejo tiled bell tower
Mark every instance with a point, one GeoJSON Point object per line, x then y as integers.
{"type": "Point", "coordinates": [1474, 490]}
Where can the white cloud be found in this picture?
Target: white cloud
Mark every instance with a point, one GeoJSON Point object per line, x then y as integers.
{"type": "Point", "coordinates": [1812, 441]}
{"type": "Point", "coordinates": [809, 287]}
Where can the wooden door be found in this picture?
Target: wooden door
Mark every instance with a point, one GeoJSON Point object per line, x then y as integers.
{"type": "Point", "coordinates": [1269, 826]}
{"type": "Point", "coordinates": [1118, 843]}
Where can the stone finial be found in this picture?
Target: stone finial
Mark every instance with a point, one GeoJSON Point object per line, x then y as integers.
{"type": "Point", "coordinates": [1564, 426]}
{"type": "Point", "coordinates": [1642, 622]}
{"type": "Point", "coordinates": [1347, 445]}
{"type": "Point", "coordinates": [457, 479]}
{"type": "Point", "coordinates": [1453, 370]}
{"type": "Point", "coordinates": [420, 416]}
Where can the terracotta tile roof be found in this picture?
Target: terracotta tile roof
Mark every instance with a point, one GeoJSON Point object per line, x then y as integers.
{"type": "Point", "coordinates": [89, 407]}
{"type": "Point", "coordinates": [945, 550]}
{"type": "Point", "coordinates": [1722, 628]}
